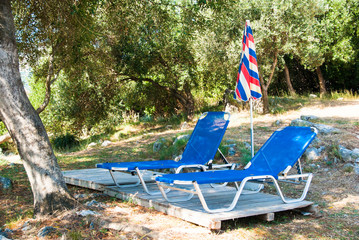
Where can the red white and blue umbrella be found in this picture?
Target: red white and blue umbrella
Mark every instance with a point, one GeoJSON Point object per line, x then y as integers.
{"type": "Point", "coordinates": [248, 84]}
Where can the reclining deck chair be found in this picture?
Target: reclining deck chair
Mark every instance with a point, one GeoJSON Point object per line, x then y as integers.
{"type": "Point", "coordinates": [271, 163]}
{"type": "Point", "coordinates": [199, 152]}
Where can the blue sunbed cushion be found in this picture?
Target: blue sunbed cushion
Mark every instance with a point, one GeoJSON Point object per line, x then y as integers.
{"type": "Point", "coordinates": [218, 176]}
{"type": "Point", "coordinates": [200, 149]}
{"type": "Point", "coordinates": [130, 166]}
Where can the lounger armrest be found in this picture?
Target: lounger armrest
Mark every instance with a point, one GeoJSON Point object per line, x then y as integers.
{"type": "Point", "coordinates": [285, 172]}
{"type": "Point", "coordinates": [229, 165]}
{"type": "Point", "coordinates": [202, 167]}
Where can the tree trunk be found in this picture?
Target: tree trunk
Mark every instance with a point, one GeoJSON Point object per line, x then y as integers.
{"type": "Point", "coordinates": [266, 86]}
{"type": "Point", "coordinates": [289, 83]}
{"type": "Point", "coordinates": [323, 89]}
{"type": "Point", "coordinates": [26, 129]}
{"type": "Point", "coordinates": [265, 99]}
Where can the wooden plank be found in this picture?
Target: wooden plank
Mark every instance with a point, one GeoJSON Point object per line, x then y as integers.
{"type": "Point", "coordinates": [97, 178]}
{"type": "Point", "coordinates": [266, 217]}
{"type": "Point", "coordinates": [259, 204]}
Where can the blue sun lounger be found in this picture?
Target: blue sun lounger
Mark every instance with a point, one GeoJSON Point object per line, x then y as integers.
{"type": "Point", "coordinates": [199, 152]}
{"type": "Point", "coordinates": [271, 163]}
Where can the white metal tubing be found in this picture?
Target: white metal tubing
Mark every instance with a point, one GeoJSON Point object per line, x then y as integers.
{"type": "Point", "coordinates": [164, 193]}
{"type": "Point", "coordinates": [144, 184]}
{"type": "Point", "coordinates": [305, 190]}
{"type": "Point", "coordinates": [251, 115]}
{"type": "Point", "coordinates": [126, 185]}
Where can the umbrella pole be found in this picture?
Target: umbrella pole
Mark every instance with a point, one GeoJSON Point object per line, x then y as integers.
{"type": "Point", "coordinates": [251, 115]}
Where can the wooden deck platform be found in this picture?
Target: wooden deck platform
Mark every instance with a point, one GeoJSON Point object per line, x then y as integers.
{"type": "Point", "coordinates": [259, 204]}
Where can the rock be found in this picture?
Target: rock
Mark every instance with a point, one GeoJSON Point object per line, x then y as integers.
{"type": "Point", "coordinates": [184, 126]}
{"type": "Point", "coordinates": [185, 137]}
{"type": "Point", "coordinates": [231, 108]}
{"type": "Point", "coordinates": [169, 127]}
{"type": "Point", "coordinates": [5, 234]}
{"type": "Point", "coordinates": [4, 238]}
{"type": "Point", "coordinates": [247, 145]}
{"type": "Point", "coordinates": [231, 151]}
{"type": "Point", "coordinates": [79, 196]}
{"type": "Point", "coordinates": [357, 160]}
{"type": "Point", "coordinates": [345, 154]}
{"type": "Point", "coordinates": [230, 145]}
{"type": "Point", "coordinates": [312, 154]}
{"type": "Point", "coordinates": [85, 213]}
{"type": "Point", "coordinates": [348, 167]}
{"type": "Point", "coordinates": [301, 123]}
{"type": "Point", "coordinates": [312, 165]}
{"type": "Point", "coordinates": [5, 183]}
{"type": "Point", "coordinates": [93, 144]}
{"type": "Point", "coordinates": [356, 168]}
{"type": "Point", "coordinates": [321, 149]}
{"type": "Point", "coordinates": [277, 123]}
{"type": "Point", "coordinates": [229, 141]}
{"type": "Point", "coordinates": [94, 203]}
{"type": "Point", "coordinates": [308, 117]}
{"type": "Point", "coordinates": [355, 153]}
{"type": "Point", "coordinates": [45, 231]}
{"type": "Point", "coordinates": [26, 226]}
{"type": "Point", "coordinates": [312, 96]}
{"type": "Point", "coordinates": [340, 99]}
{"type": "Point", "coordinates": [106, 143]}
{"type": "Point", "coordinates": [177, 158]}
{"type": "Point", "coordinates": [158, 144]}
{"type": "Point", "coordinates": [92, 226]}
{"type": "Point", "coordinates": [325, 129]}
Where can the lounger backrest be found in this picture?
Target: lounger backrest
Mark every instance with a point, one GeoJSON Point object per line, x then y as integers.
{"type": "Point", "coordinates": [206, 137]}
{"type": "Point", "coordinates": [282, 149]}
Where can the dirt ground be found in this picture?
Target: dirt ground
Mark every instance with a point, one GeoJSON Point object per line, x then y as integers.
{"type": "Point", "coordinates": [334, 190]}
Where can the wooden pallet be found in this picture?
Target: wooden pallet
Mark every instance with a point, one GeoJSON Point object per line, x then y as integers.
{"type": "Point", "coordinates": [259, 204]}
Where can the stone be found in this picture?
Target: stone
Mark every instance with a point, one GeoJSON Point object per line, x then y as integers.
{"type": "Point", "coordinates": [5, 183]}
{"type": "Point", "coordinates": [301, 123]}
{"type": "Point", "coordinates": [106, 143]}
{"type": "Point", "coordinates": [4, 238]}
{"type": "Point", "coordinates": [85, 213]}
{"type": "Point", "coordinates": [79, 196]}
{"type": "Point", "coordinates": [247, 145]}
{"type": "Point", "coordinates": [177, 158]}
{"type": "Point", "coordinates": [185, 137]}
{"type": "Point", "coordinates": [184, 126]}
{"type": "Point", "coordinates": [45, 231]}
{"type": "Point", "coordinates": [26, 226]}
{"type": "Point", "coordinates": [277, 123]}
{"type": "Point", "coordinates": [348, 167]}
{"type": "Point", "coordinates": [355, 153]}
{"type": "Point", "coordinates": [231, 151]}
{"type": "Point", "coordinates": [345, 154]}
{"type": "Point", "coordinates": [229, 141]}
{"type": "Point", "coordinates": [308, 117]}
{"type": "Point", "coordinates": [321, 149]}
{"type": "Point", "coordinates": [158, 144]}
{"type": "Point", "coordinates": [93, 144]}
{"type": "Point", "coordinates": [94, 203]}
{"type": "Point", "coordinates": [356, 168]}
{"type": "Point", "coordinates": [312, 154]}
{"type": "Point", "coordinates": [325, 129]}
{"type": "Point", "coordinates": [312, 96]}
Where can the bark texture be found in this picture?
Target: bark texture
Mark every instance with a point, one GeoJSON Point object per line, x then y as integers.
{"type": "Point", "coordinates": [323, 89]}
{"type": "Point", "coordinates": [25, 127]}
{"type": "Point", "coordinates": [288, 81]}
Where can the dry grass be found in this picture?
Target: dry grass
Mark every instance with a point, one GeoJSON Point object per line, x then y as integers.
{"type": "Point", "coordinates": [334, 190]}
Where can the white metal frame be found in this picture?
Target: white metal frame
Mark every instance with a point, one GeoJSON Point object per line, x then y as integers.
{"type": "Point", "coordinates": [177, 170]}
{"type": "Point", "coordinates": [197, 190]}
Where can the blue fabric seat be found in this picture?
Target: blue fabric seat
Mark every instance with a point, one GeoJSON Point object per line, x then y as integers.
{"type": "Point", "coordinates": [273, 161]}
{"type": "Point", "coordinates": [200, 150]}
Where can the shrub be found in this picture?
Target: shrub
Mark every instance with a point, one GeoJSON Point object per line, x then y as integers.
{"type": "Point", "coordinates": [65, 142]}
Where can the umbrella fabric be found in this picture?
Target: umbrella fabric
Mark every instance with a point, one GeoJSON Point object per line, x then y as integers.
{"type": "Point", "coordinates": [247, 79]}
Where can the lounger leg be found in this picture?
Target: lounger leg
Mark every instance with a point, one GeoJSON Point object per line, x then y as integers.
{"type": "Point", "coordinates": [124, 186]}
{"type": "Point", "coordinates": [164, 194]}
{"type": "Point", "coordinates": [140, 176]}
{"type": "Point", "coordinates": [305, 190]}
{"type": "Point", "coordinates": [233, 204]}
